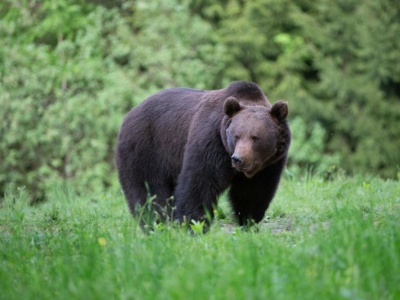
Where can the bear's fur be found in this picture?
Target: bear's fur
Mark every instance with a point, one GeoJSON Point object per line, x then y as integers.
{"type": "Point", "coordinates": [194, 144]}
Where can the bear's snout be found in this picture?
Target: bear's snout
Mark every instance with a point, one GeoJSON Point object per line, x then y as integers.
{"type": "Point", "coordinates": [244, 165]}
{"type": "Point", "coordinates": [236, 160]}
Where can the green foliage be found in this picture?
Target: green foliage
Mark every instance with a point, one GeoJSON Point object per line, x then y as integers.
{"type": "Point", "coordinates": [307, 153]}
{"type": "Point", "coordinates": [357, 81]}
{"type": "Point", "coordinates": [175, 50]}
{"type": "Point", "coordinates": [198, 227]}
{"type": "Point", "coordinates": [317, 234]}
{"type": "Point", "coordinates": [59, 120]}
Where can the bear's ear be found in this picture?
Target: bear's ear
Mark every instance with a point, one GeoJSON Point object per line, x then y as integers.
{"type": "Point", "coordinates": [280, 110]}
{"type": "Point", "coordinates": [231, 106]}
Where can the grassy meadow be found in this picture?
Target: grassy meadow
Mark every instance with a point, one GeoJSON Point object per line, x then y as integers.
{"type": "Point", "coordinates": [336, 239]}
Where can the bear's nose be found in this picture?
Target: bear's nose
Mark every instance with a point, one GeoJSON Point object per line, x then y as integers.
{"type": "Point", "coordinates": [236, 160]}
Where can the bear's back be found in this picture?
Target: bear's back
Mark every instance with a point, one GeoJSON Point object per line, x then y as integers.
{"type": "Point", "coordinates": [156, 130]}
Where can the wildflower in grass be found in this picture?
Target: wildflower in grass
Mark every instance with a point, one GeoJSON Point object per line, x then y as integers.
{"type": "Point", "coordinates": [102, 241]}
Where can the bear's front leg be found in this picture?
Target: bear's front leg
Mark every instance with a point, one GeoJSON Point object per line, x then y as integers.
{"type": "Point", "coordinates": [250, 198]}
{"type": "Point", "coordinates": [204, 176]}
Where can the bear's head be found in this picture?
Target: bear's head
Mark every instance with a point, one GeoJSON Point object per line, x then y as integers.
{"type": "Point", "coordinates": [255, 136]}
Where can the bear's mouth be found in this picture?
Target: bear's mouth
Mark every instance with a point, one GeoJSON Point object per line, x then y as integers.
{"type": "Point", "coordinates": [248, 172]}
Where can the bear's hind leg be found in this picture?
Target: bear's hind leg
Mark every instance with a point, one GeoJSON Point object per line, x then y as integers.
{"type": "Point", "coordinates": [161, 197]}
{"type": "Point", "coordinates": [136, 195]}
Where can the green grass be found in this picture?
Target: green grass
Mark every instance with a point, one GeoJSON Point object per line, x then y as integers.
{"type": "Point", "coordinates": [320, 240]}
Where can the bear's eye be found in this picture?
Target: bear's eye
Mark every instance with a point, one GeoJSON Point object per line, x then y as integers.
{"type": "Point", "coordinates": [236, 137]}
{"type": "Point", "coordinates": [255, 138]}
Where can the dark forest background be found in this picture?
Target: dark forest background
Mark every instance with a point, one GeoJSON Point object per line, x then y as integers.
{"type": "Point", "coordinates": [70, 71]}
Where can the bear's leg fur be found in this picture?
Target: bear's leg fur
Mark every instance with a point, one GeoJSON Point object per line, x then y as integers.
{"type": "Point", "coordinates": [205, 174]}
{"type": "Point", "coordinates": [129, 177]}
{"type": "Point", "coordinates": [250, 198]}
{"type": "Point", "coordinates": [140, 183]}
{"type": "Point", "coordinates": [161, 192]}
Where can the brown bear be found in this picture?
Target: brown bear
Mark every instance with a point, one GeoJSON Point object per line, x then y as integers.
{"type": "Point", "coordinates": [194, 144]}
